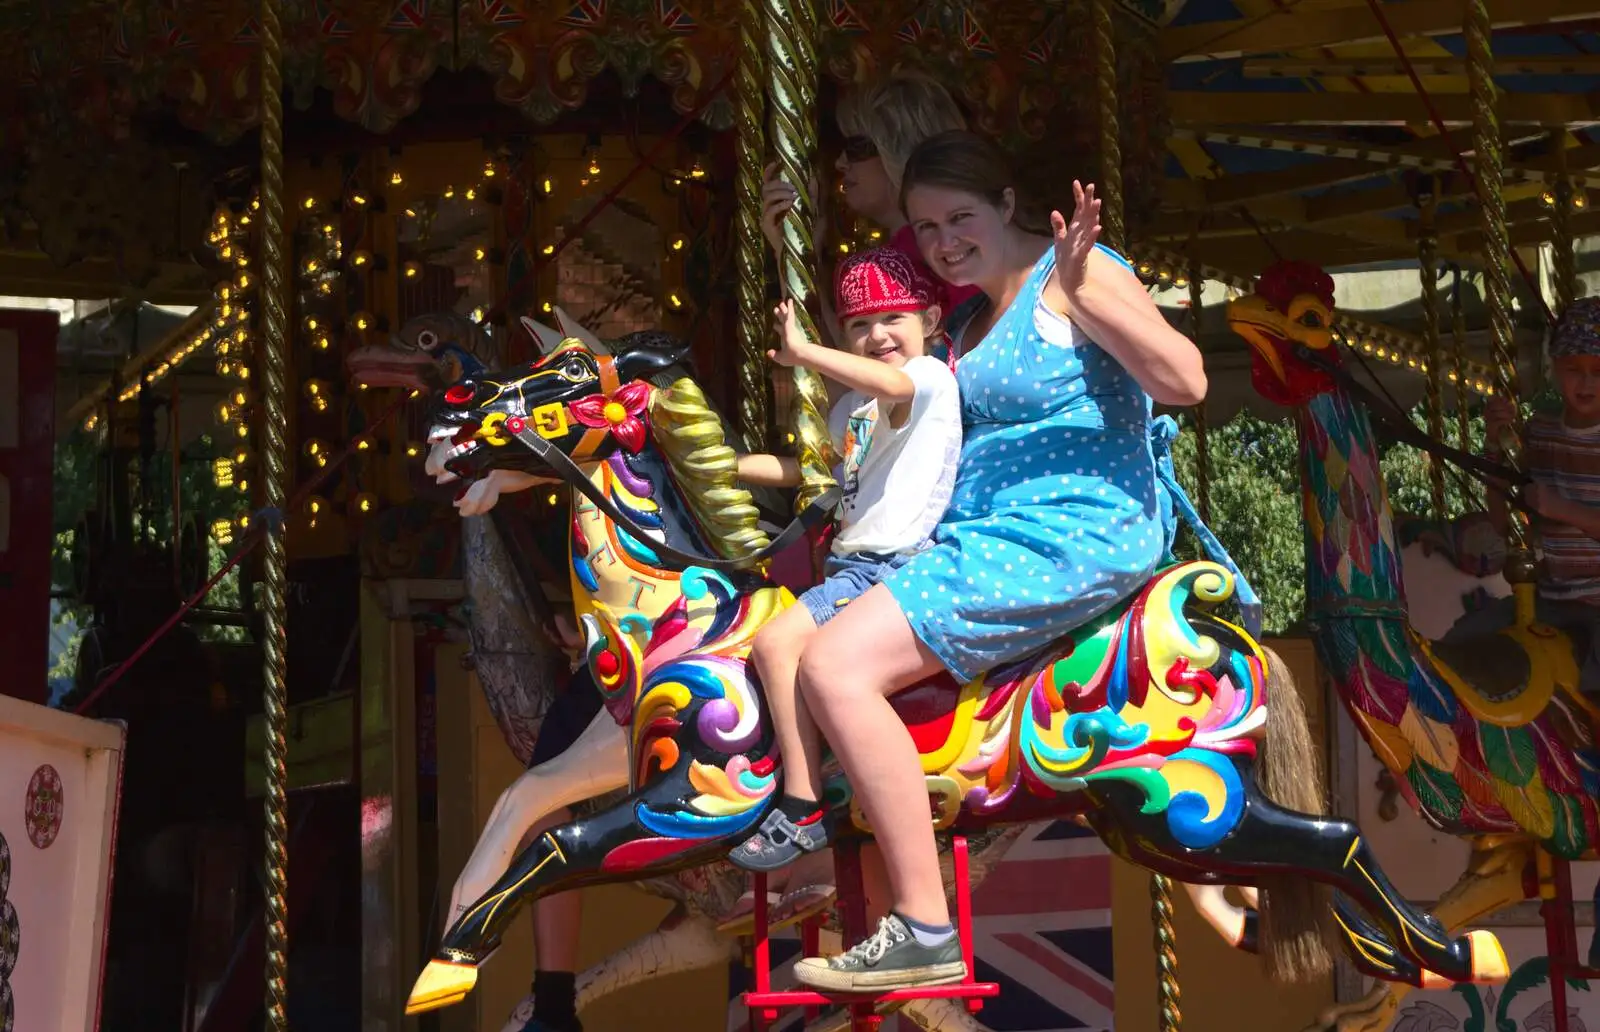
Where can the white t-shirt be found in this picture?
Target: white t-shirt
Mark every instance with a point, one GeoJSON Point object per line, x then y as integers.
{"type": "Point", "coordinates": [897, 480]}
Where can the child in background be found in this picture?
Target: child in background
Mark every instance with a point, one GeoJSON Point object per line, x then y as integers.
{"type": "Point", "coordinates": [898, 429]}
{"type": "Point", "coordinates": [1562, 456]}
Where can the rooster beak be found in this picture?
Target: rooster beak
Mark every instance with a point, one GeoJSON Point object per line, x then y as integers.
{"type": "Point", "coordinates": [1263, 327]}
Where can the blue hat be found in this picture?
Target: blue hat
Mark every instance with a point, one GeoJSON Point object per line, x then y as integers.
{"type": "Point", "coordinates": [1578, 330]}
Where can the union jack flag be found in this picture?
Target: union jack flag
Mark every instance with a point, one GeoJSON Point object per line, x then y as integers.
{"type": "Point", "coordinates": [1042, 930]}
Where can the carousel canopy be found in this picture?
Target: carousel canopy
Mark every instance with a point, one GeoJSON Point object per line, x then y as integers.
{"type": "Point", "coordinates": [1250, 130]}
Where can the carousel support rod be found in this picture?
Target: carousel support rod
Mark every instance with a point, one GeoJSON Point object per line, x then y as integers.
{"type": "Point", "coordinates": [1169, 999]}
{"type": "Point", "coordinates": [1458, 335]}
{"type": "Point", "coordinates": [1484, 94]}
{"type": "Point", "coordinates": [274, 564]}
{"type": "Point", "coordinates": [751, 126]}
{"type": "Point", "coordinates": [1428, 271]}
{"type": "Point", "coordinates": [1202, 442]}
{"type": "Point", "coordinates": [1105, 88]}
{"type": "Point", "coordinates": [1563, 262]}
{"type": "Point", "coordinates": [1112, 218]}
{"type": "Point", "coordinates": [791, 35]}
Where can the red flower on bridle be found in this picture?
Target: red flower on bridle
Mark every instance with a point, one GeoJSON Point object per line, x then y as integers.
{"type": "Point", "coordinates": [622, 413]}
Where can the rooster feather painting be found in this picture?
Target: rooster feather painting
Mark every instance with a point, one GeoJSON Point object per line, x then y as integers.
{"type": "Point", "coordinates": [1489, 739]}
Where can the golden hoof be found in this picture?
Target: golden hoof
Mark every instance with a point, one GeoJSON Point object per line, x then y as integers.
{"type": "Point", "coordinates": [1489, 965]}
{"type": "Point", "coordinates": [441, 984]}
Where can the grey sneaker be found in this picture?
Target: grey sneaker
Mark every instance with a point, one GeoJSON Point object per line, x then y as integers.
{"type": "Point", "coordinates": [890, 958]}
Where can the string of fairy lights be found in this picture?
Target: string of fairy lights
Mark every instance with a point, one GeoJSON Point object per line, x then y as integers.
{"type": "Point", "coordinates": [347, 269]}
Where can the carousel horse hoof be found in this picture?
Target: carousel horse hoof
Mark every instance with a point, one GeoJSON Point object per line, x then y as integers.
{"type": "Point", "coordinates": [741, 919]}
{"type": "Point", "coordinates": [1489, 965]}
{"type": "Point", "coordinates": [799, 904]}
{"type": "Point", "coordinates": [441, 984]}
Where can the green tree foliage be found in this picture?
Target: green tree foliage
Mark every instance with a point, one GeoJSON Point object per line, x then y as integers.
{"type": "Point", "coordinates": [1256, 503]}
{"type": "Point", "coordinates": [1255, 509]}
{"type": "Point", "coordinates": [79, 466]}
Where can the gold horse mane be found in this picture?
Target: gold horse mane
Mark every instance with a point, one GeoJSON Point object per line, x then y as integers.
{"type": "Point", "coordinates": [691, 437]}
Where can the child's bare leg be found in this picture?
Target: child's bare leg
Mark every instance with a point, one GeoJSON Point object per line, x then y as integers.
{"type": "Point", "coordinates": [788, 831]}
{"type": "Point", "coordinates": [875, 883]}
{"type": "Point", "coordinates": [777, 651]}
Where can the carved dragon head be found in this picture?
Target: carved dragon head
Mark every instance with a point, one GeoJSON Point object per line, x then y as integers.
{"type": "Point", "coordinates": [1291, 309]}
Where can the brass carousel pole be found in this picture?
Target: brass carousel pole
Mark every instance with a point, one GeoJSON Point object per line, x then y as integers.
{"type": "Point", "coordinates": [274, 354]}
{"type": "Point", "coordinates": [1428, 270]}
{"type": "Point", "coordinates": [1202, 443]}
{"type": "Point", "coordinates": [1497, 278]}
{"type": "Point", "coordinates": [1563, 262]}
{"type": "Point", "coordinates": [1115, 237]}
{"type": "Point", "coordinates": [747, 99]}
{"type": "Point", "coordinates": [792, 79]}
{"type": "Point", "coordinates": [1458, 335]}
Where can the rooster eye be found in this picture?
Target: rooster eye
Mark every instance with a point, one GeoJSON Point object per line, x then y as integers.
{"type": "Point", "coordinates": [1311, 318]}
{"type": "Point", "coordinates": [427, 340]}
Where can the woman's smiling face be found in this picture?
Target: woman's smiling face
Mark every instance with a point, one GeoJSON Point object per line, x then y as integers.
{"type": "Point", "coordinates": [961, 235]}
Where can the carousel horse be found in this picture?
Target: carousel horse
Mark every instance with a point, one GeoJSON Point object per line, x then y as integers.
{"type": "Point", "coordinates": [1488, 739]}
{"type": "Point", "coordinates": [1146, 721]}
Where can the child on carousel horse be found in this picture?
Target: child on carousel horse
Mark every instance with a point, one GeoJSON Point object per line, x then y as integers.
{"type": "Point", "coordinates": [1561, 454]}
{"type": "Point", "coordinates": [898, 430]}
{"type": "Point", "coordinates": [1062, 506]}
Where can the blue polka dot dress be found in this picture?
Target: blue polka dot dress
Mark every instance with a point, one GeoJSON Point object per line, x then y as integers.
{"type": "Point", "coordinates": [1057, 513]}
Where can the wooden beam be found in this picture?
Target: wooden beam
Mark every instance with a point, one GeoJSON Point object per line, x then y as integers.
{"type": "Point", "coordinates": [1535, 231]}
{"type": "Point", "coordinates": [151, 356]}
{"type": "Point", "coordinates": [35, 275]}
{"type": "Point", "coordinates": [1363, 67]}
{"type": "Point", "coordinates": [1431, 155]}
{"type": "Point", "coordinates": [1253, 186]}
{"type": "Point", "coordinates": [1302, 29]}
{"type": "Point", "coordinates": [1203, 109]}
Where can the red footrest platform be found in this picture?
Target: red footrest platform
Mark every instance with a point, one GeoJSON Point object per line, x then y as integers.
{"type": "Point", "coordinates": [764, 1002]}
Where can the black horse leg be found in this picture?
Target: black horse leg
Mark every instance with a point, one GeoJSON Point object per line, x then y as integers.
{"type": "Point", "coordinates": [606, 847]}
{"type": "Point", "coordinates": [1271, 840]}
{"type": "Point", "coordinates": [1368, 948]}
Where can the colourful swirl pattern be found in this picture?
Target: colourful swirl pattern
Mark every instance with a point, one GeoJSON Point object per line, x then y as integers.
{"type": "Point", "coordinates": [1144, 696]}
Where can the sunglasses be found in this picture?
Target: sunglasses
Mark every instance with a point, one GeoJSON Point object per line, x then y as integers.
{"type": "Point", "coordinates": [859, 148]}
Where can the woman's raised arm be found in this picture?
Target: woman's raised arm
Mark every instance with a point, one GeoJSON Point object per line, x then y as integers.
{"type": "Point", "coordinates": [1107, 301]}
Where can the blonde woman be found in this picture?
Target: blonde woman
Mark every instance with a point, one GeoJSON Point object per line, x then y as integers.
{"type": "Point", "coordinates": [882, 122]}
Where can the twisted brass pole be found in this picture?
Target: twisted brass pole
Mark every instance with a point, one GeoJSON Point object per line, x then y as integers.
{"type": "Point", "coordinates": [1114, 234]}
{"type": "Point", "coordinates": [1168, 999]}
{"type": "Point", "coordinates": [274, 562]}
{"type": "Point", "coordinates": [747, 99]}
{"type": "Point", "coordinates": [1563, 262]}
{"type": "Point", "coordinates": [1496, 277]}
{"type": "Point", "coordinates": [1428, 271]}
{"type": "Point", "coordinates": [1458, 334]}
{"type": "Point", "coordinates": [792, 80]}
{"type": "Point", "coordinates": [1105, 89]}
{"type": "Point", "coordinates": [1202, 443]}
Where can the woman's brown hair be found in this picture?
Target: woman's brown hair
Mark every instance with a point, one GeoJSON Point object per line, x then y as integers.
{"type": "Point", "coordinates": [963, 160]}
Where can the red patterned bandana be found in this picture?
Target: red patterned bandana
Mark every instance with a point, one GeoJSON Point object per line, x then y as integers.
{"type": "Point", "coordinates": [880, 280]}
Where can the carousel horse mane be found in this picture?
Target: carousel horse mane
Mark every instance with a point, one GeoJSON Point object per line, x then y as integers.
{"type": "Point", "coordinates": [692, 440]}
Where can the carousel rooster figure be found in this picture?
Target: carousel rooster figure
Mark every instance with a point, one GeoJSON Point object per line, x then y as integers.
{"type": "Point", "coordinates": [1488, 739]}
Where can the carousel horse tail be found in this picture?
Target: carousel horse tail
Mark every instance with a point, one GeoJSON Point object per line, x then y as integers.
{"type": "Point", "coordinates": [1295, 911]}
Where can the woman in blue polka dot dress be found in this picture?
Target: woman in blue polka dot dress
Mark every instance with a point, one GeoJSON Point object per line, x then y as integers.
{"type": "Point", "coordinates": [1058, 512]}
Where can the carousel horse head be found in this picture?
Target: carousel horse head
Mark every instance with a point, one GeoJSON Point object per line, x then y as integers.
{"type": "Point", "coordinates": [599, 409]}
{"type": "Point", "coordinates": [1288, 318]}
{"type": "Point", "coordinates": [586, 404]}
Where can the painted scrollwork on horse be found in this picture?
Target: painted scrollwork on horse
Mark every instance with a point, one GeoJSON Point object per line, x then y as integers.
{"type": "Point", "coordinates": [1149, 722]}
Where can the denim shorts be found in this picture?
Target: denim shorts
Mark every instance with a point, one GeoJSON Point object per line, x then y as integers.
{"type": "Point", "coordinates": [845, 578]}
